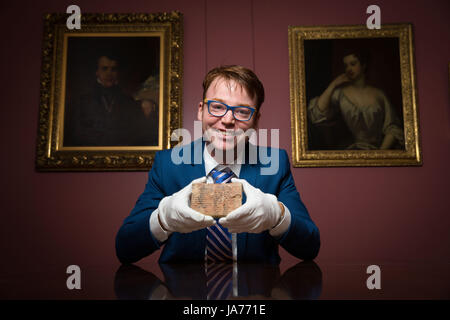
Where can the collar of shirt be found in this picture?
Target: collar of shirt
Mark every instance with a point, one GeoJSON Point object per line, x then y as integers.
{"type": "Point", "coordinates": [211, 163]}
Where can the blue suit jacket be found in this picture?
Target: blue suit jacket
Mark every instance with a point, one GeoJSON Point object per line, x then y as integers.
{"type": "Point", "coordinates": [135, 241]}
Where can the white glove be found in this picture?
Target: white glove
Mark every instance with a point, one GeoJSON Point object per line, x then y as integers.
{"type": "Point", "coordinates": [175, 215]}
{"type": "Point", "coordinates": [260, 212]}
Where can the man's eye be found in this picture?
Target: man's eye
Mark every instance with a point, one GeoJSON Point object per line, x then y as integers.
{"type": "Point", "coordinates": [217, 106]}
{"type": "Point", "coordinates": [243, 111]}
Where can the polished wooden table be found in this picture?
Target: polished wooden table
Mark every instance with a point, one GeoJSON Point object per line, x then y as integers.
{"type": "Point", "coordinates": [304, 280]}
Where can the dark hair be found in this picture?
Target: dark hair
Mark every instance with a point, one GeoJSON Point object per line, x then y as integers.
{"type": "Point", "coordinates": [362, 55]}
{"type": "Point", "coordinates": [243, 76]}
{"type": "Point", "coordinates": [110, 56]}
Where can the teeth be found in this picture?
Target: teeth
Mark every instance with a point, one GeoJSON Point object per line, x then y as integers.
{"type": "Point", "coordinates": [226, 133]}
{"type": "Point", "coordinates": [230, 133]}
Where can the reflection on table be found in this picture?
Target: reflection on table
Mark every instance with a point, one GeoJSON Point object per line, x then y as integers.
{"type": "Point", "coordinates": [250, 281]}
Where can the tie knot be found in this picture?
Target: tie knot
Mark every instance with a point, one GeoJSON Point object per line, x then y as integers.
{"type": "Point", "coordinates": [222, 176]}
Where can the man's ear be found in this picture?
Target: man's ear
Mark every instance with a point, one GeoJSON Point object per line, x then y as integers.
{"type": "Point", "coordinates": [200, 111]}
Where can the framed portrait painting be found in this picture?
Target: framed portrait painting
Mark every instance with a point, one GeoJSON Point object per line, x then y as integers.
{"type": "Point", "coordinates": [110, 91]}
{"type": "Point", "coordinates": [353, 96]}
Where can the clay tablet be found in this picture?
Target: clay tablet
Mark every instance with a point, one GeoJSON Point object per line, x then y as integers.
{"type": "Point", "coordinates": [216, 199]}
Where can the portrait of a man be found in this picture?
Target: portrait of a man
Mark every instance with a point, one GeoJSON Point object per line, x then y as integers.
{"type": "Point", "coordinates": [113, 103]}
{"type": "Point", "coordinates": [111, 92]}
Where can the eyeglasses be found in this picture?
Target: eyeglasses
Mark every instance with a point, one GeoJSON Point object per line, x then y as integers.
{"type": "Point", "coordinates": [219, 109]}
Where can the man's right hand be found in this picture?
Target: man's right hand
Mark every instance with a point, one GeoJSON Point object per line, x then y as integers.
{"type": "Point", "coordinates": [175, 215]}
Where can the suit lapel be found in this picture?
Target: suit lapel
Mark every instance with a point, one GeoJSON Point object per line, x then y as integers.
{"type": "Point", "coordinates": [197, 165]}
{"type": "Point", "coordinates": [197, 170]}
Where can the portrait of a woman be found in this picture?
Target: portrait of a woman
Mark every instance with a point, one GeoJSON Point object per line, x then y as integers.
{"type": "Point", "coordinates": [364, 111]}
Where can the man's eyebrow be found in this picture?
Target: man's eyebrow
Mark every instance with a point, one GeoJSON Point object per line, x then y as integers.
{"type": "Point", "coordinates": [238, 105]}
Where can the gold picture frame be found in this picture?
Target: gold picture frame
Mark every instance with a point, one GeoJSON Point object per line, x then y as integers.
{"type": "Point", "coordinates": [111, 91]}
{"type": "Point", "coordinates": [328, 131]}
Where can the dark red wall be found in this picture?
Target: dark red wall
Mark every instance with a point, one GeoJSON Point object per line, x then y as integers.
{"type": "Point", "coordinates": [373, 215]}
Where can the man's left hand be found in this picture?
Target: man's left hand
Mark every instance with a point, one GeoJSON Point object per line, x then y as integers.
{"type": "Point", "coordinates": [260, 212]}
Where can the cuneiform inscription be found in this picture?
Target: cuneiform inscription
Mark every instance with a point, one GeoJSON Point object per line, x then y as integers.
{"type": "Point", "coordinates": [215, 199]}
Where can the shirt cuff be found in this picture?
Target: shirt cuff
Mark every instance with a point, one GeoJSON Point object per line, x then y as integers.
{"type": "Point", "coordinates": [283, 226]}
{"type": "Point", "coordinates": [155, 228]}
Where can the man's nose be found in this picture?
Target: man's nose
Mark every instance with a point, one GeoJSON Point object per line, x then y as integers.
{"type": "Point", "coordinates": [228, 117]}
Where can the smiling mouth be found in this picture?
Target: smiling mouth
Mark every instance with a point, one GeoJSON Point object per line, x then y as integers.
{"type": "Point", "coordinates": [228, 136]}
{"type": "Point", "coordinates": [227, 133]}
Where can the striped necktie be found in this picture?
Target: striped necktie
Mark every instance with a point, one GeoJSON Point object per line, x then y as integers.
{"type": "Point", "coordinates": [222, 176]}
{"type": "Point", "coordinates": [219, 272]}
{"type": "Point", "coordinates": [218, 239]}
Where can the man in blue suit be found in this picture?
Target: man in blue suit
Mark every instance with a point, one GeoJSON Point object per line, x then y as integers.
{"type": "Point", "coordinates": [272, 214]}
